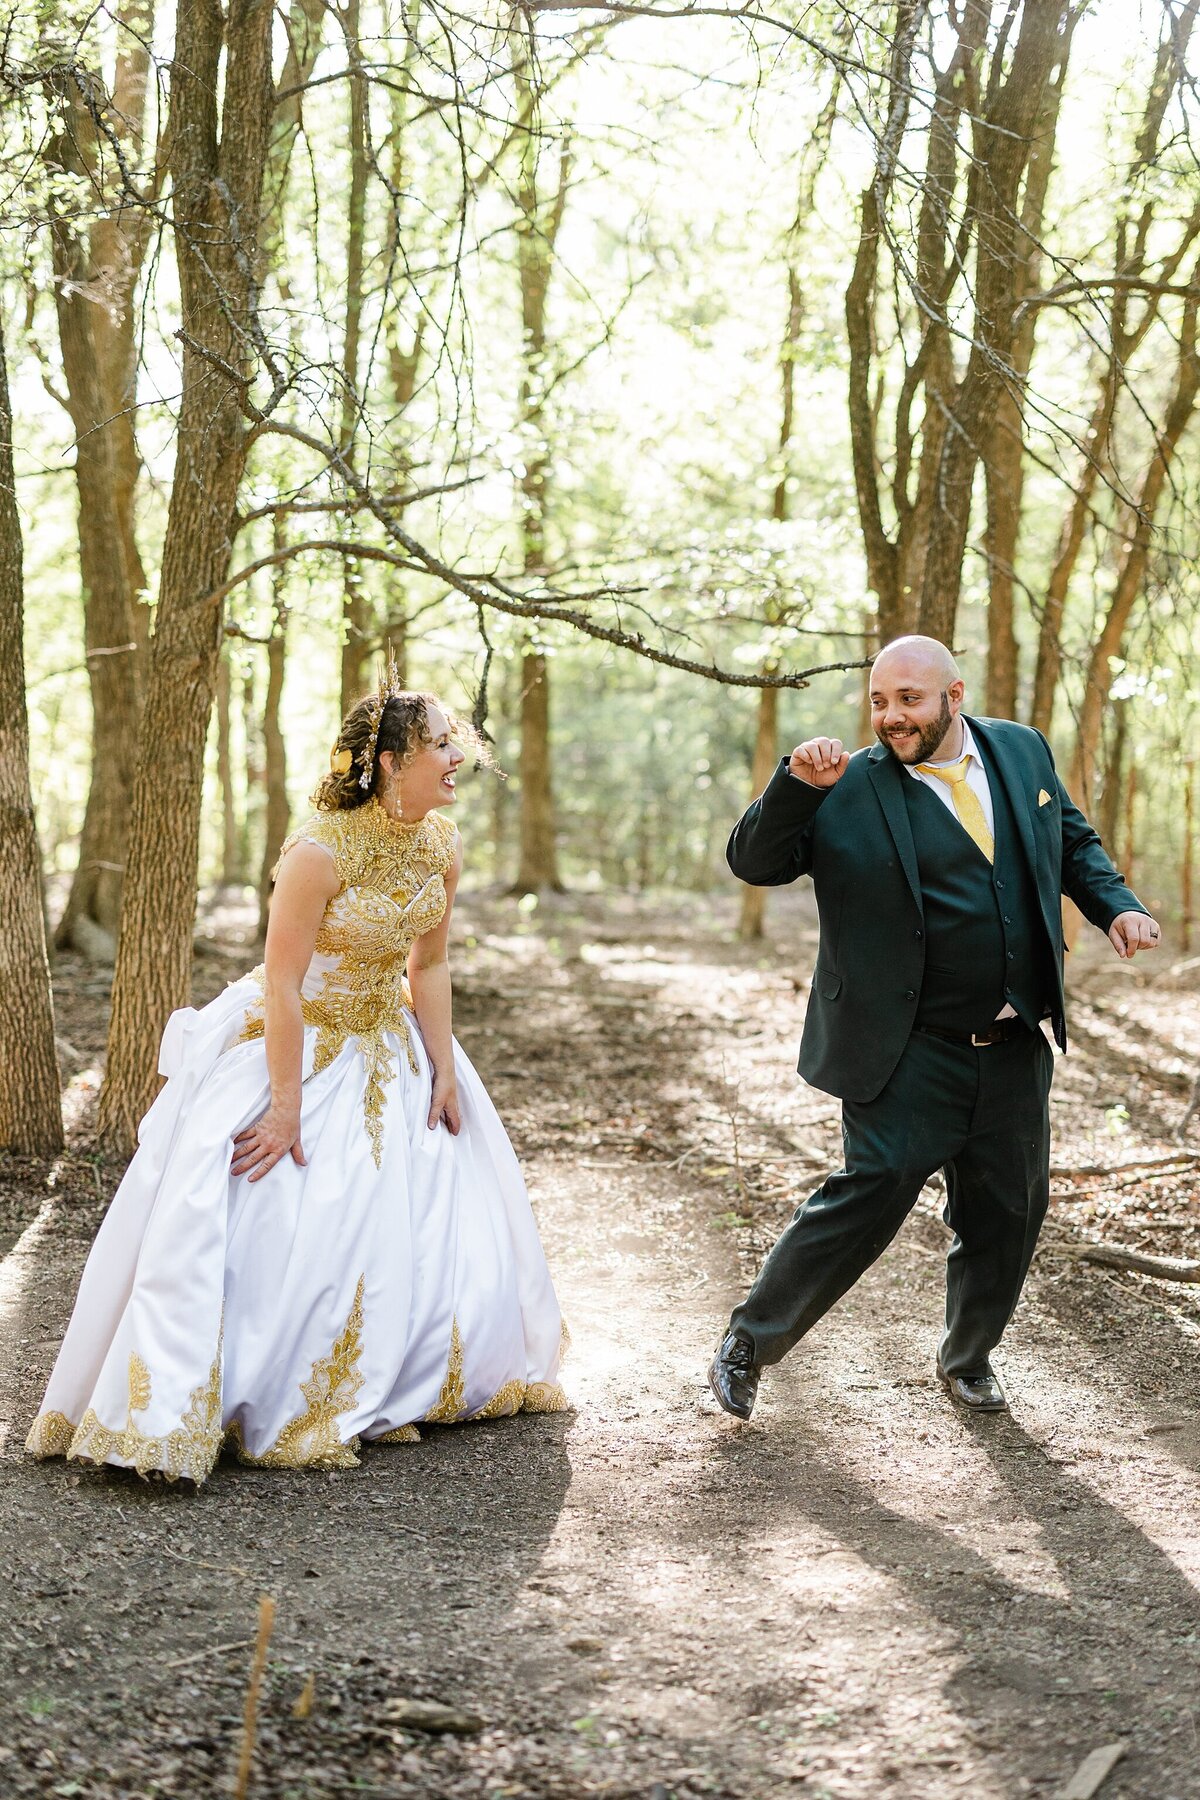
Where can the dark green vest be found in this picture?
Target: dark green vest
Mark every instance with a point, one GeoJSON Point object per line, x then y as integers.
{"type": "Point", "coordinates": [985, 942]}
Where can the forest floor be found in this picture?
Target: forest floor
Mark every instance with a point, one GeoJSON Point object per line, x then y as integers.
{"type": "Point", "coordinates": [861, 1593]}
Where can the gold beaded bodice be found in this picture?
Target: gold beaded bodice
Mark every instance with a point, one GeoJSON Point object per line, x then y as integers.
{"type": "Point", "coordinates": [391, 891]}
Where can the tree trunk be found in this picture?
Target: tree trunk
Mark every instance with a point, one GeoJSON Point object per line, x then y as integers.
{"type": "Point", "coordinates": [30, 1104]}
{"type": "Point", "coordinates": [95, 280]}
{"type": "Point", "coordinates": [538, 866]}
{"type": "Point", "coordinates": [752, 922]}
{"type": "Point", "coordinates": [883, 576]}
{"type": "Point", "coordinates": [1108, 815]}
{"type": "Point", "coordinates": [1004, 142]}
{"type": "Point", "coordinates": [1132, 571]}
{"type": "Point", "coordinates": [538, 223]}
{"type": "Point", "coordinates": [1188, 859]}
{"type": "Point", "coordinates": [1004, 460]}
{"type": "Point", "coordinates": [1128, 839]}
{"type": "Point", "coordinates": [255, 770]}
{"type": "Point", "coordinates": [231, 846]}
{"type": "Point", "coordinates": [1134, 232]}
{"type": "Point", "coordinates": [217, 178]}
{"type": "Point", "coordinates": [356, 609]}
{"type": "Point", "coordinates": [766, 754]}
{"type": "Point", "coordinates": [274, 749]}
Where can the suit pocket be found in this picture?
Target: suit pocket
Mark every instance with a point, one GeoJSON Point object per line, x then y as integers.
{"type": "Point", "coordinates": [827, 984]}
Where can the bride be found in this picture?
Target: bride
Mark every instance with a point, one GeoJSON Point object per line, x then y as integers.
{"type": "Point", "coordinates": [366, 1258]}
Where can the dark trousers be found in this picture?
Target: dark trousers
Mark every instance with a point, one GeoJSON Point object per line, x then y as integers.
{"type": "Point", "coordinates": [979, 1114]}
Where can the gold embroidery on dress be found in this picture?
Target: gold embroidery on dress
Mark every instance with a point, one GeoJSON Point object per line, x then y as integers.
{"type": "Point", "coordinates": [190, 1450]}
{"type": "Point", "coordinates": [392, 892]}
{"type": "Point", "coordinates": [139, 1383]}
{"type": "Point", "coordinates": [313, 1441]}
{"type": "Point", "coordinates": [453, 1396]}
{"type": "Point", "coordinates": [504, 1403]}
{"type": "Point", "coordinates": [50, 1435]}
{"type": "Point", "coordinates": [545, 1397]}
{"type": "Point", "coordinates": [403, 1434]}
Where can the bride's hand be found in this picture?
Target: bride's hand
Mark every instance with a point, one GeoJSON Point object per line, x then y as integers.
{"type": "Point", "coordinates": [443, 1104]}
{"type": "Point", "coordinates": [263, 1144]}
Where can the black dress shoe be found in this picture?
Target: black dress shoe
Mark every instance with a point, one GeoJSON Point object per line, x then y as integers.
{"type": "Point", "coordinates": [978, 1393]}
{"type": "Point", "coordinates": [734, 1374]}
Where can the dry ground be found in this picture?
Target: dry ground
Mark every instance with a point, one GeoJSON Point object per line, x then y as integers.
{"type": "Point", "coordinates": [863, 1593]}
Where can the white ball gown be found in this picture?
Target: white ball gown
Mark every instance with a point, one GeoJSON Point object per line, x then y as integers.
{"type": "Point", "coordinates": [397, 1278]}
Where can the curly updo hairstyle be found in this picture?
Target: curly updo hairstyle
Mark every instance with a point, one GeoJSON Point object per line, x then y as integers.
{"type": "Point", "coordinates": [403, 729]}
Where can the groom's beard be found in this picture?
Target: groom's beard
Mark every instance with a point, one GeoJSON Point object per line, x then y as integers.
{"type": "Point", "coordinates": [926, 744]}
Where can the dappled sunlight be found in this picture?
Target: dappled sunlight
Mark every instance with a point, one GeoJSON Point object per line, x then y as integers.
{"type": "Point", "coordinates": [20, 1273]}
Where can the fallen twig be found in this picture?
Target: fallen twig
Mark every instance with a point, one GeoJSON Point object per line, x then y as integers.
{"type": "Point", "coordinates": [181, 1662]}
{"type": "Point", "coordinates": [1112, 1256]}
{"type": "Point", "coordinates": [1181, 1159]}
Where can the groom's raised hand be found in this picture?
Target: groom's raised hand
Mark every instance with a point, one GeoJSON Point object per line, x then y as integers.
{"type": "Point", "coordinates": [819, 762]}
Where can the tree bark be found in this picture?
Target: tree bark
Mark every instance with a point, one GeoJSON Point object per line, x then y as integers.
{"type": "Point", "coordinates": [1004, 140]}
{"type": "Point", "coordinates": [30, 1104]}
{"type": "Point", "coordinates": [95, 281]}
{"type": "Point", "coordinates": [766, 754]}
{"type": "Point", "coordinates": [538, 223]}
{"type": "Point", "coordinates": [538, 868]}
{"type": "Point", "coordinates": [356, 610]}
{"type": "Point", "coordinates": [1004, 458]}
{"type": "Point", "coordinates": [883, 576]}
{"type": "Point", "coordinates": [231, 847]}
{"type": "Point", "coordinates": [1132, 569]}
{"type": "Point", "coordinates": [1133, 235]}
{"type": "Point", "coordinates": [277, 817]}
{"type": "Point", "coordinates": [1187, 867]}
{"type": "Point", "coordinates": [752, 922]}
{"type": "Point", "coordinates": [217, 165]}
{"type": "Point", "coordinates": [1108, 814]}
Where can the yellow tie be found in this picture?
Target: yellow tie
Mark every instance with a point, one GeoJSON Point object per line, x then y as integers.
{"type": "Point", "coordinates": [966, 803]}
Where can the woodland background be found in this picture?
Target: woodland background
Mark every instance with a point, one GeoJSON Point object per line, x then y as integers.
{"type": "Point", "coordinates": [630, 371]}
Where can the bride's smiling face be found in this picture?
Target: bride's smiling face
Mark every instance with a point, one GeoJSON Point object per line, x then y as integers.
{"type": "Point", "coordinates": [428, 780]}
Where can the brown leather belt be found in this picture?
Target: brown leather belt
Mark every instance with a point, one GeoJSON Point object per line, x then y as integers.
{"type": "Point", "coordinates": [1000, 1031]}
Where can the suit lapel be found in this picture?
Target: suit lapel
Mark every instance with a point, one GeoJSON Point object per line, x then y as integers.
{"type": "Point", "coordinates": [886, 776]}
{"type": "Point", "coordinates": [1014, 787]}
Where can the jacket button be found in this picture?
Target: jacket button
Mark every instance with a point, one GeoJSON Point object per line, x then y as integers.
{"type": "Point", "coordinates": [1012, 956]}
{"type": "Point", "coordinates": [1007, 920]}
{"type": "Point", "coordinates": [999, 883]}
{"type": "Point", "coordinates": [910, 994]}
{"type": "Point", "coordinates": [918, 934]}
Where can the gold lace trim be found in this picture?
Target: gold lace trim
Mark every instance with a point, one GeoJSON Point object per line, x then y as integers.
{"type": "Point", "coordinates": [545, 1397]}
{"type": "Point", "coordinates": [504, 1403]}
{"type": "Point", "coordinates": [50, 1435]}
{"type": "Point", "coordinates": [514, 1397]}
{"type": "Point", "coordinates": [313, 1441]}
{"type": "Point", "coordinates": [452, 1398]}
{"type": "Point", "coordinates": [189, 1451]}
{"type": "Point", "coordinates": [371, 849]}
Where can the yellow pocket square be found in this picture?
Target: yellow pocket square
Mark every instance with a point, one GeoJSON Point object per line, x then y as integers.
{"type": "Point", "coordinates": [1043, 797]}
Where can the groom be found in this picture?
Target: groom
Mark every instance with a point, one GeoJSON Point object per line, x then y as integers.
{"type": "Point", "coordinates": [938, 858]}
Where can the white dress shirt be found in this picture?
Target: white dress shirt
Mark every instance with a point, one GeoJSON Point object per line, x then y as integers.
{"type": "Point", "coordinates": [977, 779]}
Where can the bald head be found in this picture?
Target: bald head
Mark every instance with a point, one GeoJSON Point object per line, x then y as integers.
{"type": "Point", "coordinates": [925, 657]}
{"type": "Point", "coordinates": [916, 697]}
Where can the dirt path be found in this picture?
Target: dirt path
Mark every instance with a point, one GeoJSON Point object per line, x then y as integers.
{"type": "Point", "coordinates": [862, 1593]}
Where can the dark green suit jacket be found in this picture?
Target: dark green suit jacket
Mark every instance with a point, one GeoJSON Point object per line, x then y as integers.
{"type": "Point", "coordinates": [855, 840]}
